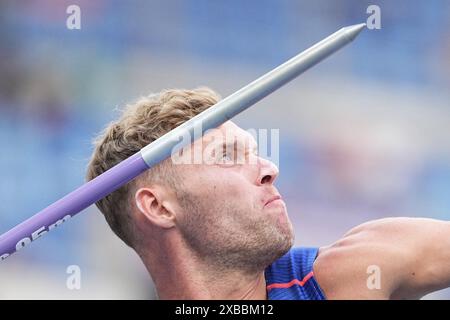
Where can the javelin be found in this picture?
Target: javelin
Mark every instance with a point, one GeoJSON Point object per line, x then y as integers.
{"type": "Point", "coordinates": [160, 149]}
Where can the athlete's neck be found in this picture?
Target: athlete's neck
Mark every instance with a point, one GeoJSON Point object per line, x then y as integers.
{"type": "Point", "coordinates": [226, 287]}
{"type": "Point", "coordinates": [186, 277]}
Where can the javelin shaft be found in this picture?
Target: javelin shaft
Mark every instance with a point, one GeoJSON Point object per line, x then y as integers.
{"type": "Point", "coordinates": [160, 149]}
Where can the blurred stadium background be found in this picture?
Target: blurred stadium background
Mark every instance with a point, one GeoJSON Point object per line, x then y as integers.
{"type": "Point", "coordinates": [364, 135]}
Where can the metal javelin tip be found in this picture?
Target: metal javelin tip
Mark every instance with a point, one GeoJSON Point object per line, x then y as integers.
{"type": "Point", "coordinates": [353, 30]}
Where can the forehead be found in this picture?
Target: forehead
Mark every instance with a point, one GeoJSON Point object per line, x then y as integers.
{"type": "Point", "coordinates": [228, 130]}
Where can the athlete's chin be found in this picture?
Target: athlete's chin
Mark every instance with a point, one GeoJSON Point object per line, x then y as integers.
{"type": "Point", "coordinates": [284, 225]}
{"type": "Point", "coordinates": [286, 235]}
{"type": "Point", "coordinates": [289, 235]}
{"type": "Point", "coordinates": [284, 244]}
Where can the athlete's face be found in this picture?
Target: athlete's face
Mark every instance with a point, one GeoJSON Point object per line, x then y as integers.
{"type": "Point", "coordinates": [229, 211]}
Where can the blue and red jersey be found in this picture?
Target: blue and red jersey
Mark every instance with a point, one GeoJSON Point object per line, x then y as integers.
{"type": "Point", "coordinates": [291, 277]}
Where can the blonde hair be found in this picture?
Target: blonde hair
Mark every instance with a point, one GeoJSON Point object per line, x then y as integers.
{"type": "Point", "coordinates": [142, 122]}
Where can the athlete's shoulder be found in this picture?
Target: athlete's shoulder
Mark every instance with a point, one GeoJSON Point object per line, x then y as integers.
{"type": "Point", "coordinates": [346, 268]}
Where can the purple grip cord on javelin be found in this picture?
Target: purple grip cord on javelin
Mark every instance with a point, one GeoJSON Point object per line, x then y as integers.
{"type": "Point", "coordinates": [72, 203]}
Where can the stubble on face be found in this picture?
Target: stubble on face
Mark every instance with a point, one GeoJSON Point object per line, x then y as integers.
{"type": "Point", "coordinates": [232, 234]}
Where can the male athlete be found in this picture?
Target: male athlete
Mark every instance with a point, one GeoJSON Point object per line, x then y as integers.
{"type": "Point", "coordinates": [218, 228]}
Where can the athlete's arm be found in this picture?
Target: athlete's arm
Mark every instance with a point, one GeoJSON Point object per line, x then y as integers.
{"type": "Point", "coordinates": [411, 256]}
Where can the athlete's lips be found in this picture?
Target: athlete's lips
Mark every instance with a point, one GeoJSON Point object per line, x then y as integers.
{"type": "Point", "coordinates": [276, 197]}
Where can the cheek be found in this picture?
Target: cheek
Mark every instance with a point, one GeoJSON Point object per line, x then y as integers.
{"type": "Point", "coordinates": [236, 195]}
{"type": "Point", "coordinates": [219, 184]}
{"type": "Point", "coordinates": [232, 185]}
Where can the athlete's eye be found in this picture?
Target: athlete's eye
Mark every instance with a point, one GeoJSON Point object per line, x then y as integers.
{"type": "Point", "coordinates": [225, 158]}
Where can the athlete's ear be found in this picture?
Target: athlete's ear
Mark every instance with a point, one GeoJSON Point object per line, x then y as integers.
{"type": "Point", "coordinates": [155, 205]}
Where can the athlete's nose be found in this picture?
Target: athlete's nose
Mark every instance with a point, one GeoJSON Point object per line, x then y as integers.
{"type": "Point", "coordinates": [268, 171]}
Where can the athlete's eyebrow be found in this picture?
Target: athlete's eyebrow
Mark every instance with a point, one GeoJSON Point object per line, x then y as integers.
{"type": "Point", "coordinates": [229, 145]}
{"type": "Point", "coordinates": [250, 145]}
